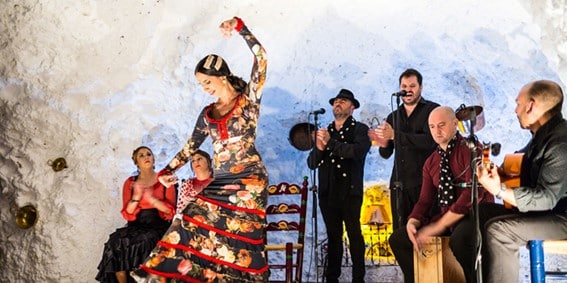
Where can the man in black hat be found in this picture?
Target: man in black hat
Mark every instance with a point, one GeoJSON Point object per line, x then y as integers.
{"type": "Point", "coordinates": [339, 154]}
{"type": "Point", "coordinates": [406, 130]}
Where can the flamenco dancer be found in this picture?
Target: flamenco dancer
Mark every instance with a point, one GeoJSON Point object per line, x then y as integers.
{"type": "Point", "coordinates": [221, 234]}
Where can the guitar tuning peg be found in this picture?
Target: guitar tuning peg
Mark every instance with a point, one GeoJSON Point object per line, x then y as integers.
{"type": "Point", "coordinates": [495, 148]}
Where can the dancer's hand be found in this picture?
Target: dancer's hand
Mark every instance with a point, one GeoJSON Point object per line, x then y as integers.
{"type": "Point", "coordinates": [168, 180]}
{"type": "Point", "coordinates": [227, 27]}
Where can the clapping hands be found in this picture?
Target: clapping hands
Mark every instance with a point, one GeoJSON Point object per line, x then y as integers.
{"type": "Point", "coordinates": [322, 138]}
{"type": "Point", "coordinates": [381, 135]}
{"type": "Point", "coordinates": [143, 194]}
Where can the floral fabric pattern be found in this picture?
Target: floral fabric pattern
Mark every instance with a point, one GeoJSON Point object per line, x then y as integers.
{"type": "Point", "coordinates": [219, 237]}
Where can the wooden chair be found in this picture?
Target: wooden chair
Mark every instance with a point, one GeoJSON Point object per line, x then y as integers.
{"type": "Point", "coordinates": [537, 264]}
{"type": "Point", "coordinates": [284, 235]}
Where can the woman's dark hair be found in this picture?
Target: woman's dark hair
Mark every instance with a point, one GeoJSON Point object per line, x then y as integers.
{"type": "Point", "coordinates": [138, 149]}
{"type": "Point", "coordinates": [215, 65]}
{"type": "Point", "coordinates": [206, 156]}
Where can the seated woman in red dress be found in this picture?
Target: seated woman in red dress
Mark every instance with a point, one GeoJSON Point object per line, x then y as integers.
{"type": "Point", "coordinates": [148, 207]}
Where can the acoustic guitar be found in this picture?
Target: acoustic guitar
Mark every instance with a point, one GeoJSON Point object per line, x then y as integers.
{"type": "Point", "coordinates": [509, 171]}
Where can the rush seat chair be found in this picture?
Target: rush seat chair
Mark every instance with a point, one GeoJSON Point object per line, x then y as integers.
{"type": "Point", "coordinates": [285, 231]}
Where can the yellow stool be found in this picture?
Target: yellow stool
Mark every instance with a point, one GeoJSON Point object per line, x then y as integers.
{"type": "Point", "coordinates": [436, 263]}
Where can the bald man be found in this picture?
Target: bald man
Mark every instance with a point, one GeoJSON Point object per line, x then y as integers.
{"type": "Point", "coordinates": [444, 171]}
{"type": "Point", "coordinates": [540, 203]}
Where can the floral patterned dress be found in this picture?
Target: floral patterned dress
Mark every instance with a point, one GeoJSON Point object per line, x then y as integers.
{"type": "Point", "coordinates": [219, 236]}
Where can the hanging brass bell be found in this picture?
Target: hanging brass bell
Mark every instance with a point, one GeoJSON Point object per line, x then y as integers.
{"type": "Point", "coordinates": [58, 164]}
{"type": "Point", "coordinates": [26, 216]}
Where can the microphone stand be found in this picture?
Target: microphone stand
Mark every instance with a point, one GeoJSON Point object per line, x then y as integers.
{"type": "Point", "coordinates": [474, 193]}
{"type": "Point", "coordinates": [314, 182]}
{"type": "Point", "coordinates": [397, 186]}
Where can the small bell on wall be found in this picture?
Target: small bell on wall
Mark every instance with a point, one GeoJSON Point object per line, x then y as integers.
{"type": "Point", "coordinates": [58, 164]}
{"type": "Point", "coordinates": [25, 216]}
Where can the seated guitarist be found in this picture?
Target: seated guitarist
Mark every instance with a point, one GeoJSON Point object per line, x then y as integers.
{"type": "Point", "coordinates": [539, 204]}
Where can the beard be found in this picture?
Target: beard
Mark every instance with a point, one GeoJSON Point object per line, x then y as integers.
{"type": "Point", "coordinates": [340, 115]}
{"type": "Point", "coordinates": [414, 100]}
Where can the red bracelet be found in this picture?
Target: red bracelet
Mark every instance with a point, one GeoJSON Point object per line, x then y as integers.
{"type": "Point", "coordinates": [239, 24]}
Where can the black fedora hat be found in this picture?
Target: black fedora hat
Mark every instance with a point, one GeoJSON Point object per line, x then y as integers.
{"type": "Point", "coordinates": [346, 94]}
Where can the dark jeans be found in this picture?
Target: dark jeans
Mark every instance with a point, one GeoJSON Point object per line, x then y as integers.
{"type": "Point", "coordinates": [461, 243]}
{"type": "Point", "coordinates": [349, 213]}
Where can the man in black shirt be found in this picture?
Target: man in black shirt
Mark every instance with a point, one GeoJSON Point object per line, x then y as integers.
{"type": "Point", "coordinates": [406, 130]}
{"type": "Point", "coordinates": [339, 154]}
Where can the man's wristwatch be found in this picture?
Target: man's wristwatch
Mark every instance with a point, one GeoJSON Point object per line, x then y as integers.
{"type": "Point", "coordinates": [500, 193]}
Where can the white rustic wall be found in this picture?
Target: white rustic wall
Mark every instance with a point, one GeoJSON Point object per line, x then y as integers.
{"type": "Point", "coordinates": [91, 80]}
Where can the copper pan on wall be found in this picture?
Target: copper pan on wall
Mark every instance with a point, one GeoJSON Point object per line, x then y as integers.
{"type": "Point", "coordinates": [301, 136]}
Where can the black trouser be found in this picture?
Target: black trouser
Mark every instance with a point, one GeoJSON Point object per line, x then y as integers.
{"type": "Point", "coordinates": [407, 198]}
{"type": "Point", "coordinates": [461, 243]}
{"type": "Point", "coordinates": [349, 213]}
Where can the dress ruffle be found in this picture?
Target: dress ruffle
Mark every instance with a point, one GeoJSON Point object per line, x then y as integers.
{"type": "Point", "coordinates": [219, 236]}
{"type": "Point", "coordinates": [129, 246]}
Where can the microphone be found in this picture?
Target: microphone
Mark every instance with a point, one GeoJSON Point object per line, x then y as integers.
{"type": "Point", "coordinates": [463, 185]}
{"type": "Point", "coordinates": [467, 185]}
{"type": "Point", "coordinates": [401, 93]}
{"type": "Point", "coordinates": [317, 112]}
